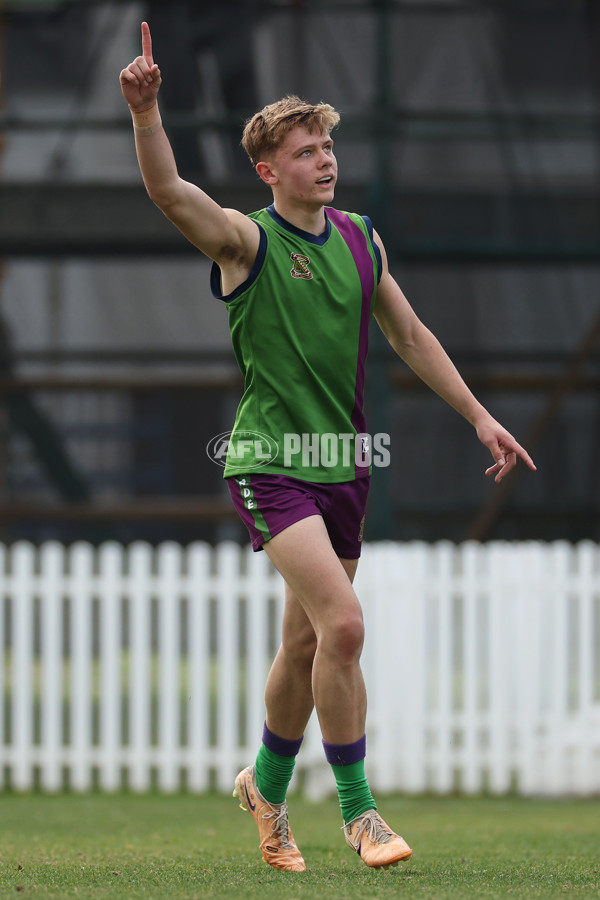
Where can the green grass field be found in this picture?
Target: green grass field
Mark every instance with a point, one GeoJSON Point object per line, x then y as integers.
{"type": "Point", "coordinates": [155, 846]}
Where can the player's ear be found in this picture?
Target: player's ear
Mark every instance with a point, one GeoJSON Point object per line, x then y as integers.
{"type": "Point", "coordinates": [265, 172]}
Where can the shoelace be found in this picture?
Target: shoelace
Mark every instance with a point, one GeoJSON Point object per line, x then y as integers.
{"type": "Point", "coordinates": [280, 826]}
{"type": "Point", "coordinates": [372, 824]}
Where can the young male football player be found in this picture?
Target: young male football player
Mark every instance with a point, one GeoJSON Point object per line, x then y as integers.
{"type": "Point", "coordinates": [301, 281]}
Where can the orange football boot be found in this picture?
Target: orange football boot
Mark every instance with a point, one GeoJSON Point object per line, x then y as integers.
{"type": "Point", "coordinates": [277, 843]}
{"type": "Point", "coordinates": [374, 841]}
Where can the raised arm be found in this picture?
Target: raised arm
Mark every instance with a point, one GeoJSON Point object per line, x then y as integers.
{"type": "Point", "coordinates": [226, 236]}
{"type": "Point", "coordinates": [422, 351]}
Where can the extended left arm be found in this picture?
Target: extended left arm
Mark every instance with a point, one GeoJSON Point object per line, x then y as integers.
{"type": "Point", "coordinates": [422, 351]}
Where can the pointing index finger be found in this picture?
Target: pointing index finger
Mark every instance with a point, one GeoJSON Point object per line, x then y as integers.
{"type": "Point", "coordinates": [147, 44]}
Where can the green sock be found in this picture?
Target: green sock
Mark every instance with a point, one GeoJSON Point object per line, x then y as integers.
{"type": "Point", "coordinates": [273, 774]}
{"type": "Point", "coordinates": [353, 790]}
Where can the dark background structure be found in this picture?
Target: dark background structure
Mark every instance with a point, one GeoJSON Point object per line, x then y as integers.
{"type": "Point", "coordinates": [471, 136]}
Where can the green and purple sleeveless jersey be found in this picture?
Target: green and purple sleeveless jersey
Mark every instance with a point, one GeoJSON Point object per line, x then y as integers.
{"type": "Point", "coordinates": [299, 328]}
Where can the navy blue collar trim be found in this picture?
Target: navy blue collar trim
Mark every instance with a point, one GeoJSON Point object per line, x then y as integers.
{"type": "Point", "coordinates": [319, 239]}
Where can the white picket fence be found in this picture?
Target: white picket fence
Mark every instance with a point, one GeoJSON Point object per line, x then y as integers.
{"type": "Point", "coordinates": [141, 667]}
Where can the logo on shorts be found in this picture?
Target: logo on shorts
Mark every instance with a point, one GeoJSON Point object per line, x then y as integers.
{"type": "Point", "coordinates": [242, 449]}
{"type": "Point", "coordinates": [247, 495]}
{"type": "Point", "coordinates": [300, 268]}
{"type": "Point", "coordinates": [362, 529]}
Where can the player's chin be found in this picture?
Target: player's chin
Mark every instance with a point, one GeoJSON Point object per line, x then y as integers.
{"type": "Point", "coordinates": [326, 192]}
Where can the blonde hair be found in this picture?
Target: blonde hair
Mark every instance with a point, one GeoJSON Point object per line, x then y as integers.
{"type": "Point", "coordinates": [266, 130]}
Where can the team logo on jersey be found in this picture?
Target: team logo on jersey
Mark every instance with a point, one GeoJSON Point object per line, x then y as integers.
{"type": "Point", "coordinates": [300, 268]}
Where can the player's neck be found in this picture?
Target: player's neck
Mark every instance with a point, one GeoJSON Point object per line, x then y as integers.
{"type": "Point", "coordinates": [311, 219]}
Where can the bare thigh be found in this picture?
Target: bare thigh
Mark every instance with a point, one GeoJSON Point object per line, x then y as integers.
{"type": "Point", "coordinates": [318, 583]}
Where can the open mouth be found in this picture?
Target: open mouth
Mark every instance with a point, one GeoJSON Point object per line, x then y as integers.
{"type": "Point", "coordinates": [327, 179]}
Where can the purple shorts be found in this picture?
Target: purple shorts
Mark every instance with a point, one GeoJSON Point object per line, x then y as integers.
{"type": "Point", "coordinates": [269, 503]}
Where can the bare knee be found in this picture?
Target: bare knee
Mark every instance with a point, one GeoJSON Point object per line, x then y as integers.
{"type": "Point", "coordinates": [300, 646]}
{"type": "Point", "coordinates": [343, 638]}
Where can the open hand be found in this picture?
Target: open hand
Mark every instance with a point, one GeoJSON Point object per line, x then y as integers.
{"type": "Point", "coordinates": [141, 79]}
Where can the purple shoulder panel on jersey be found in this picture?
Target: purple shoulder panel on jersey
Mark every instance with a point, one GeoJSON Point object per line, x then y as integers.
{"type": "Point", "coordinates": [357, 243]}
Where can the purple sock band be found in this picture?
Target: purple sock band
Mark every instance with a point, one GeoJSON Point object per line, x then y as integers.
{"type": "Point", "coordinates": [280, 746]}
{"type": "Point", "coordinates": [346, 754]}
